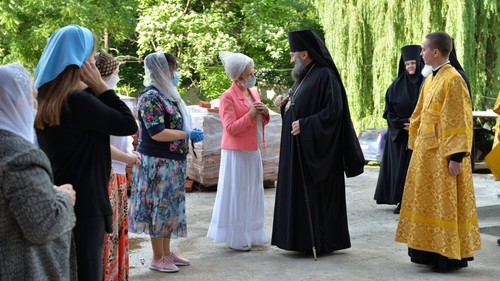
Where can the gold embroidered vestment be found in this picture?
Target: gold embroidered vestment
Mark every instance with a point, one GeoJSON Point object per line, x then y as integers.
{"type": "Point", "coordinates": [438, 211]}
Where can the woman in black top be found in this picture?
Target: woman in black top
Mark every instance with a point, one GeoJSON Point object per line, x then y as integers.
{"type": "Point", "coordinates": [76, 115]}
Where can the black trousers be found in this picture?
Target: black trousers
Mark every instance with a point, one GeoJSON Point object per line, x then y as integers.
{"type": "Point", "coordinates": [89, 240]}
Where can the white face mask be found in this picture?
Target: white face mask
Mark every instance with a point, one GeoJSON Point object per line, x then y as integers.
{"type": "Point", "coordinates": [250, 82]}
{"type": "Point", "coordinates": [112, 81]}
{"type": "Point", "coordinates": [427, 70]}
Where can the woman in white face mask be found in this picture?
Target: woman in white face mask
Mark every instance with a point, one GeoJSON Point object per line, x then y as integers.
{"type": "Point", "coordinates": [158, 192]}
{"type": "Point", "coordinates": [109, 68]}
{"type": "Point", "coordinates": [238, 214]}
{"type": "Point", "coordinates": [122, 154]}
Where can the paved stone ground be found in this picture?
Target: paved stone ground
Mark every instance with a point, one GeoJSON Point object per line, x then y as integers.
{"type": "Point", "coordinates": [374, 254]}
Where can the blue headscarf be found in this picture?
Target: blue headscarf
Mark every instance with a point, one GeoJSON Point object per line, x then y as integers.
{"type": "Point", "coordinates": [70, 45]}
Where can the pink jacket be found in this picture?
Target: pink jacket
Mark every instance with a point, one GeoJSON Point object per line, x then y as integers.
{"type": "Point", "coordinates": [239, 132]}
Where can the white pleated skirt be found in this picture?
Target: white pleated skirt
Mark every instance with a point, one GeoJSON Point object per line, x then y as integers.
{"type": "Point", "coordinates": [238, 214]}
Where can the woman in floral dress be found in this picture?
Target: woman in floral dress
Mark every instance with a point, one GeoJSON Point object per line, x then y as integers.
{"type": "Point", "coordinates": [157, 201]}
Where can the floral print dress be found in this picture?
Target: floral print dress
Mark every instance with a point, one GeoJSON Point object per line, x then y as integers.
{"type": "Point", "coordinates": [157, 200]}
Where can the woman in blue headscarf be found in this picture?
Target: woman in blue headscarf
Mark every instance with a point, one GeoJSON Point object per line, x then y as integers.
{"type": "Point", "coordinates": [77, 113]}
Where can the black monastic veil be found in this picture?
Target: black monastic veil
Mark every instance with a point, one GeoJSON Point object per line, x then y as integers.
{"type": "Point", "coordinates": [400, 101]}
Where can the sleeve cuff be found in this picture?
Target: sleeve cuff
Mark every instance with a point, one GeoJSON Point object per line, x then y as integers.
{"type": "Point", "coordinates": [156, 129]}
{"type": "Point", "coordinates": [457, 157]}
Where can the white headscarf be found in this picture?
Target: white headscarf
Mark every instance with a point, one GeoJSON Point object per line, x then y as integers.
{"type": "Point", "coordinates": [235, 63]}
{"type": "Point", "coordinates": [157, 74]}
{"type": "Point", "coordinates": [16, 101]}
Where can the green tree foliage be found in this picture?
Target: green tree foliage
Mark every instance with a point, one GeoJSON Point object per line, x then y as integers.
{"type": "Point", "coordinates": [26, 25]}
{"type": "Point", "coordinates": [196, 30]}
{"type": "Point", "coordinates": [365, 38]}
{"type": "Point", "coordinates": [193, 30]}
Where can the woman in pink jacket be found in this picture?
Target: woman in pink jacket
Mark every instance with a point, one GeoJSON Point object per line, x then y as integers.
{"type": "Point", "coordinates": [238, 214]}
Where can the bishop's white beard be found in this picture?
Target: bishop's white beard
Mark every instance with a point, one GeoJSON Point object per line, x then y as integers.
{"type": "Point", "coordinates": [427, 70]}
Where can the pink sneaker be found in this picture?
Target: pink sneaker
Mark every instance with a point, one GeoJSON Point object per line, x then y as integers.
{"type": "Point", "coordinates": [164, 264]}
{"type": "Point", "coordinates": [178, 260]}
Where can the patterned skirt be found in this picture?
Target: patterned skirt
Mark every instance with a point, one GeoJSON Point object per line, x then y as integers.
{"type": "Point", "coordinates": [115, 257]}
{"type": "Point", "coordinates": [158, 198]}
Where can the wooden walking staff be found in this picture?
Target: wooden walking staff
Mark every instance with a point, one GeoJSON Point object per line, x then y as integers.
{"type": "Point", "coordinates": [301, 167]}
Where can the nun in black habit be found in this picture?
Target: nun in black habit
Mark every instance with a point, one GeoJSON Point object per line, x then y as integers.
{"type": "Point", "coordinates": [328, 149]}
{"type": "Point", "coordinates": [400, 101]}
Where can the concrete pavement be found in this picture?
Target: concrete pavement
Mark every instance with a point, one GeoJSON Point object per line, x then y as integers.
{"type": "Point", "coordinates": [374, 254]}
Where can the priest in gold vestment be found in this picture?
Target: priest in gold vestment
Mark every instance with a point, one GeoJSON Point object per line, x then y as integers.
{"type": "Point", "coordinates": [438, 219]}
{"type": "Point", "coordinates": [497, 126]}
{"type": "Point", "coordinates": [497, 132]}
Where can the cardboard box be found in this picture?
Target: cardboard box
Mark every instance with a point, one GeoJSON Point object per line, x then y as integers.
{"type": "Point", "coordinates": [205, 168]}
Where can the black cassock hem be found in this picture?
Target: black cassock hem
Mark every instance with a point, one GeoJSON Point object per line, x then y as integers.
{"type": "Point", "coordinates": [440, 263]}
{"type": "Point", "coordinates": [308, 250]}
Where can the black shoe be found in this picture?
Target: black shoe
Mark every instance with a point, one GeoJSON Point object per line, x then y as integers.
{"type": "Point", "coordinates": [398, 208]}
{"type": "Point", "coordinates": [498, 242]}
{"type": "Point", "coordinates": [435, 268]}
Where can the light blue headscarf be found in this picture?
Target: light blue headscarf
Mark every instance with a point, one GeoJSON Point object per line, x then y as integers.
{"type": "Point", "coordinates": [70, 45]}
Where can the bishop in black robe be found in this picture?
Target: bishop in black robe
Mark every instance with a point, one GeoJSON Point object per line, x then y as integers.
{"type": "Point", "coordinates": [328, 148]}
{"type": "Point", "coordinates": [400, 101]}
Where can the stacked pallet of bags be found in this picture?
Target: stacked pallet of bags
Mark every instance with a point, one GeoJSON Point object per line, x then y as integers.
{"type": "Point", "coordinates": [204, 168]}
